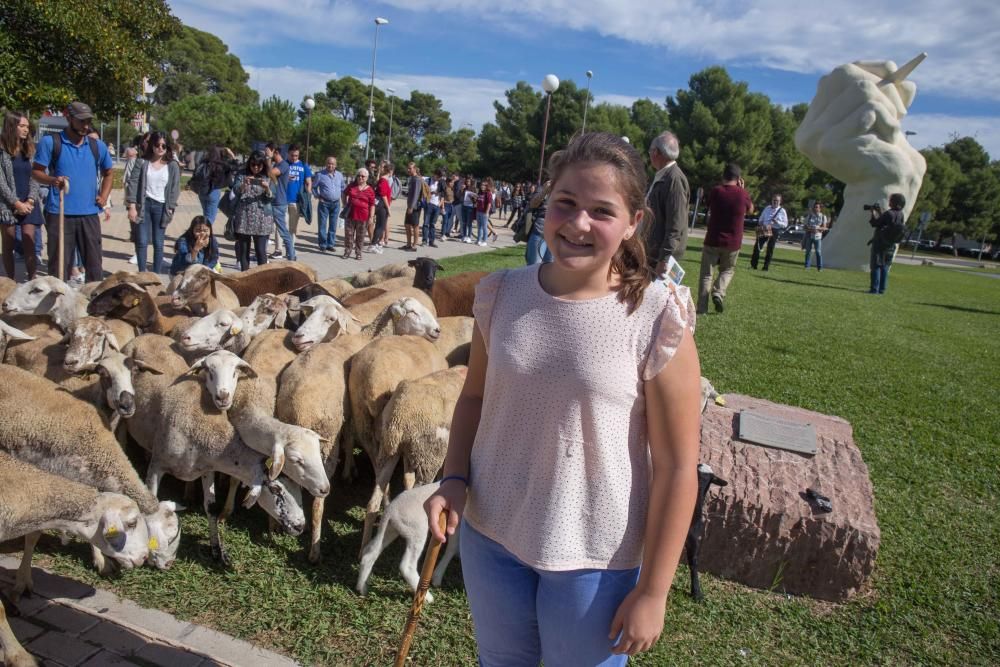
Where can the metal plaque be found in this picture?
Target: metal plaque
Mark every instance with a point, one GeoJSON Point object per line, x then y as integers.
{"type": "Point", "coordinates": [763, 429]}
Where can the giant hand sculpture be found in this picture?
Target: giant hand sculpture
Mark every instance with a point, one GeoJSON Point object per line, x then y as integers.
{"type": "Point", "coordinates": [852, 132]}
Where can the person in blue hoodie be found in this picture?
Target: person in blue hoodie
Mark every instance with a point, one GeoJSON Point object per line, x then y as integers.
{"type": "Point", "coordinates": [196, 246]}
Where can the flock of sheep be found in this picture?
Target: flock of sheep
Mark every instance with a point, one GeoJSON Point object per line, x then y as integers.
{"type": "Point", "coordinates": [267, 376]}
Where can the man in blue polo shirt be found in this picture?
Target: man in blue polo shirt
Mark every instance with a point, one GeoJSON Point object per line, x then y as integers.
{"type": "Point", "coordinates": [299, 174]}
{"type": "Point", "coordinates": [279, 205]}
{"type": "Point", "coordinates": [79, 168]}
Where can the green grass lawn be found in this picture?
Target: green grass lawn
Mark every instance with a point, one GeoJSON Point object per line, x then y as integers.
{"type": "Point", "coordinates": [914, 371]}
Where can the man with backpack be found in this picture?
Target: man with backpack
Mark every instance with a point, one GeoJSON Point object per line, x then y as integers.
{"type": "Point", "coordinates": [890, 229]}
{"type": "Point", "coordinates": [73, 161]}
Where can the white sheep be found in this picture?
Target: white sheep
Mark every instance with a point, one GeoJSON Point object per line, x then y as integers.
{"type": "Point", "coordinates": [32, 500]}
{"type": "Point", "coordinates": [67, 437]}
{"type": "Point", "coordinates": [415, 425]}
{"type": "Point", "coordinates": [368, 311]}
{"type": "Point", "coordinates": [376, 371]}
{"type": "Point", "coordinates": [326, 321]}
{"type": "Point", "coordinates": [313, 388]}
{"type": "Point", "coordinates": [46, 296]}
{"type": "Point", "coordinates": [406, 518]}
{"type": "Point", "coordinates": [225, 329]}
{"type": "Point", "coordinates": [189, 438]}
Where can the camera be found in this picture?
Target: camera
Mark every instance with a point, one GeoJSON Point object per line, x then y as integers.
{"type": "Point", "coordinates": [873, 207]}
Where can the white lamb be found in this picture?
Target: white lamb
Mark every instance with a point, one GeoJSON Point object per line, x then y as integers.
{"type": "Point", "coordinates": [406, 518]}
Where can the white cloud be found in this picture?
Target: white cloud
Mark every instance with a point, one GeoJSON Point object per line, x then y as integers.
{"type": "Point", "coordinates": [938, 129]}
{"type": "Point", "coordinates": [962, 38]}
{"type": "Point", "coordinates": [468, 100]}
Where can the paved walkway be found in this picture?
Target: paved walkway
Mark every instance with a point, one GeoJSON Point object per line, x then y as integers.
{"type": "Point", "coordinates": [117, 248]}
{"type": "Point", "coordinates": [67, 624]}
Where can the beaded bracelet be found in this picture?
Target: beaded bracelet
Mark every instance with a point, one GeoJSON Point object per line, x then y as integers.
{"type": "Point", "coordinates": [458, 477]}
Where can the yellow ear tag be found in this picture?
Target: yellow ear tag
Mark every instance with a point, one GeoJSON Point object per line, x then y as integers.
{"type": "Point", "coordinates": [235, 329]}
{"type": "Point", "coordinates": [135, 302]}
{"type": "Point", "coordinates": [720, 401]}
{"type": "Point", "coordinates": [111, 531]}
{"type": "Point", "coordinates": [154, 543]}
{"type": "Point", "coordinates": [268, 463]}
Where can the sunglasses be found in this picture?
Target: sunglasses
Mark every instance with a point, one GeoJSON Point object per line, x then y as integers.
{"type": "Point", "coordinates": [160, 146]}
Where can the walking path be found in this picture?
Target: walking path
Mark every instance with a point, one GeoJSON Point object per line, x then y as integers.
{"type": "Point", "coordinates": [67, 624]}
{"type": "Point", "coordinates": [117, 248]}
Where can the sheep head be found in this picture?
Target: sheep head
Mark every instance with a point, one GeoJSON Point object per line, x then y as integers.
{"type": "Point", "coordinates": [265, 311]}
{"type": "Point", "coordinates": [426, 269]}
{"type": "Point", "coordinates": [221, 373]}
{"type": "Point", "coordinates": [89, 339]}
{"type": "Point", "coordinates": [211, 332]}
{"type": "Point", "coordinates": [326, 318]}
{"type": "Point", "coordinates": [283, 501]}
{"type": "Point", "coordinates": [125, 301]}
{"type": "Point", "coordinates": [119, 530]}
{"type": "Point", "coordinates": [410, 317]}
{"type": "Point", "coordinates": [164, 528]}
{"type": "Point", "coordinates": [195, 285]}
{"type": "Point", "coordinates": [35, 297]}
{"type": "Point", "coordinates": [297, 452]}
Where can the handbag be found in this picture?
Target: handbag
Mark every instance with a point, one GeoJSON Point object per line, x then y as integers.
{"type": "Point", "coordinates": [227, 203]}
{"type": "Point", "coordinates": [229, 231]}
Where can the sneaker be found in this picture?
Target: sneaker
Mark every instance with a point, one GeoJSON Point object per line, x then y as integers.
{"type": "Point", "coordinates": [433, 245]}
{"type": "Point", "coordinates": [277, 254]}
{"type": "Point", "coordinates": [717, 300]}
{"type": "Point", "coordinates": [133, 259]}
{"type": "Point", "coordinates": [481, 243]}
{"type": "Point", "coordinates": [378, 250]}
{"type": "Point", "coordinates": [466, 239]}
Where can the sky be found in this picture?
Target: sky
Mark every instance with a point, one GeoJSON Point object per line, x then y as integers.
{"type": "Point", "coordinates": [467, 53]}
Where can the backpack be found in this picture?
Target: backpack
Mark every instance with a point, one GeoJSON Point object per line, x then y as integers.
{"type": "Point", "coordinates": [893, 232]}
{"type": "Point", "coordinates": [57, 151]}
{"type": "Point", "coordinates": [397, 187]}
{"type": "Point", "coordinates": [425, 194]}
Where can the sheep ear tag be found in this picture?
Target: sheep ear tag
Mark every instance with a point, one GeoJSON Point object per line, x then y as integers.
{"type": "Point", "coordinates": [111, 531]}
{"type": "Point", "coordinates": [135, 302]}
{"type": "Point", "coordinates": [154, 543]}
{"type": "Point", "coordinates": [235, 329]}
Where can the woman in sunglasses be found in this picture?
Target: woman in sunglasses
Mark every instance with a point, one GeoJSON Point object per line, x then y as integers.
{"type": "Point", "coordinates": [151, 196]}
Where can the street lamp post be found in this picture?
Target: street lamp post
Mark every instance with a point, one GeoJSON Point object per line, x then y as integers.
{"type": "Point", "coordinates": [308, 104]}
{"type": "Point", "coordinates": [549, 84]}
{"type": "Point", "coordinates": [590, 75]}
{"type": "Point", "coordinates": [379, 21]}
{"type": "Point", "coordinates": [392, 103]}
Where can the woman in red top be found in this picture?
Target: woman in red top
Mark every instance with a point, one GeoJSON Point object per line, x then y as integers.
{"type": "Point", "coordinates": [483, 203]}
{"type": "Point", "coordinates": [383, 198]}
{"type": "Point", "coordinates": [359, 202]}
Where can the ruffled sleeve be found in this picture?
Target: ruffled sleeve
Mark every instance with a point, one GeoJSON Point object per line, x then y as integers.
{"type": "Point", "coordinates": [486, 296]}
{"type": "Point", "coordinates": [677, 315]}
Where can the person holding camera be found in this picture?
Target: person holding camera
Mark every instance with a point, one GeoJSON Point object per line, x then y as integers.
{"type": "Point", "coordinates": [773, 220]}
{"type": "Point", "coordinates": [890, 229]}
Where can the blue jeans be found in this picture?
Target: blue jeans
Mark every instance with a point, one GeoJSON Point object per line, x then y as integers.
{"type": "Point", "coordinates": [881, 260]}
{"type": "Point", "coordinates": [818, 243]}
{"type": "Point", "coordinates": [449, 215]}
{"type": "Point", "coordinates": [150, 230]}
{"type": "Point", "coordinates": [327, 210]}
{"type": "Point", "coordinates": [522, 615]}
{"type": "Point", "coordinates": [280, 214]}
{"type": "Point", "coordinates": [537, 251]}
{"type": "Point", "coordinates": [430, 217]}
{"type": "Point", "coordinates": [482, 226]}
{"type": "Point", "coordinates": [210, 205]}
{"type": "Point", "coordinates": [467, 213]}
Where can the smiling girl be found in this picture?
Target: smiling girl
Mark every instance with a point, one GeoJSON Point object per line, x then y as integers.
{"type": "Point", "coordinates": [573, 449]}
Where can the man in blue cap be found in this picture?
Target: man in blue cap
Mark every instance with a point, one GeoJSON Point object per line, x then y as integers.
{"type": "Point", "coordinates": [72, 160]}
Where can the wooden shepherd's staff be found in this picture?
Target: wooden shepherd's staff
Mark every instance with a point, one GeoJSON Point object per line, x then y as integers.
{"type": "Point", "coordinates": [430, 561]}
{"type": "Point", "coordinates": [62, 230]}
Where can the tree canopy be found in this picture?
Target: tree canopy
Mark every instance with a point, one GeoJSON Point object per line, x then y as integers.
{"type": "Point", "coordinates": [56, 51]}
{"type": "Point", "coordinates": [199, 63]}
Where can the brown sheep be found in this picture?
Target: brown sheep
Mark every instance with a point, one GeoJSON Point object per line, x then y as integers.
{"type": "Point", "coordinates": [452, 295]}
{"type": "Point", "coordinates": [278, 278]}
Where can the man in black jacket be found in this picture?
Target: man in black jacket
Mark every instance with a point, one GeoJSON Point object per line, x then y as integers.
{"type": "Point", "coordinates": [668, 198]}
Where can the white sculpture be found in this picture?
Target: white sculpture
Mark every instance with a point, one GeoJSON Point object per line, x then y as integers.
{"type": "Point", "coordinates": [852, 132]}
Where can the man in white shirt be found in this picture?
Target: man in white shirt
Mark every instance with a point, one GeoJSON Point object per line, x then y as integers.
{"type": "Point", "coordinates": [773, 220]}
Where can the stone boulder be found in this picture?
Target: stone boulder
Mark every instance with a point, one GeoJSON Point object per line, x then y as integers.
{"type": "Point", "coordinates": [763, 531]}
